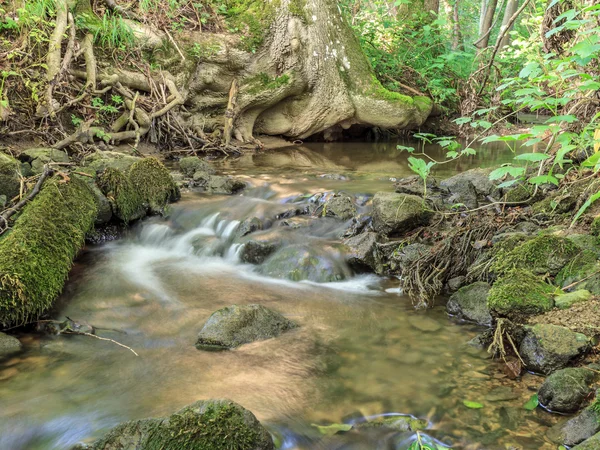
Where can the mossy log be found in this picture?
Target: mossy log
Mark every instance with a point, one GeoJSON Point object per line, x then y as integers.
{"type": "Point", "coordinates": [37, 253]}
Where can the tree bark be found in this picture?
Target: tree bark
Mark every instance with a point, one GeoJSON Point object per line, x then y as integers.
{"type": "Point", "coordinates": [486, 24]}
{"type": "Point", "coordinates": [503, 36]}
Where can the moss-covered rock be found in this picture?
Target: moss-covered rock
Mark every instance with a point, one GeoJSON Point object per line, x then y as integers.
{"type": "Point", "coordinates": [398, 213]}
{"type": "Point", "coordinates": [556, 204]}
{"type": "Point", "coordinates": [192, 164]}
{"type": "Point", "coordinates": [340, 206]}
{"type": "Point", "coordinates": [126, 202]}
{"type": "Point", "coordinates": [518, 293]}
{"type": "Point", "coordinates": [153, 183]}
{"type": "Point", "coordinates": [577, 429]}
{"type": "Point", "coordinates": [592, 443]}
{"type": "Point", "coordinates": [547, 348]}
{"type": "Point", "coordinates": [9, 344]}
{"type": "Point", "coordinates": [204, 425]}
{"type": "Point", "coordinates": [38, 157]}
{"type": "Point", "coordinates": [564, 301]}
{"type": "Point", "coordinates": [400, 424]}
{"type": "Point", "coordinates": [470, 303]}
{"type": "Point", "coordinates": [566, 390]}
{"type": "Point", "coordinates": [236, 325]}
{"type": "Point", "coordinates": [545, 254]}
{"type": "Point", "coordinates": [100, 160]}
{"type": "Point", "coordinates": [217, 184]}
{"type": "Point", "coordinates": [595, 227]}
{"type": "Point", "coordinates": [37, 254]}
{"type": "Point", "coordinates": [9, 176]}
{"type": "Point", "coordinates": [584, 270]}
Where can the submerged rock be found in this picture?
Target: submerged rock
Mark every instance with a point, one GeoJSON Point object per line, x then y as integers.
{"type": "Point", "coordinates": [192, 164]}
{"type": "Point", "coordinates": [224, 185]}
{"type": "Point", "coordinates": [256, 252]}
{"type": "Point", "coordinates": [395, 214]}
{"type": "Point", "coordinates": [204, 425]}
{"type": "Point", "coordinates": [9, 344]}
{"type": "Point", "coordinates": [362, 250]}
{"type": "Point", "coordinates": [303, 262]}
{"type": "Point", "coordinates": [470, 303]}
{"type": "Point", "coordinates": [236, 325]}
{"type": "Point", "coordinates": [566, 390]}
{"type": "Point", "coordinates": [341, 206]}
{"type": "Point", "coordinates": [250, 226]}
{"type": "Point", "coordinates": [547, 348]}
{"type": "Point", "coordinates": [396, 423]}
{"type": "Point", "coordinates": [577, 429]}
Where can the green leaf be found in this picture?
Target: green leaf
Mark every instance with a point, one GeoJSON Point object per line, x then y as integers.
{"type": "Point", "coordinates": [330, 430]}
{"type": "Point", "coordinates": [462, 120]}
{"type": "Point", "coordinates": [592, 161]}
{"type": "Point", "coordinates": [585, 206]}
{"type": "Point", "coordinates": [472, 405]}
{"type": "Point", "coordinates": [544, 179]}
{"type": "Point", "coordinates": [452, 155]}
{"type": "Point", "coordinates": [508, 183]}
{"type": "Point", "coordinates": [532, 157]}
{"type": "Point", "coordinates": [506, 170]}
{"type": "Point", "coordinates": [532, 403]}
{"type": "Point", "coordinates": [569, 118]}
{"type": "Point", "coordinates": [405, 149]}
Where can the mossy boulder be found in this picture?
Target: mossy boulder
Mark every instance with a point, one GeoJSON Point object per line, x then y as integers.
{"type": "Point", "coordinates": [566, 390]}
{"type": "Point", "coordinates": [300, 262]}
{"type": "Point", "coordinates": [154, 184]}
{"type": "Point", "coordinates": [576, 430]}
{"type": "Point", "coordinates": [9, 176]}
{"type": "Point", "coordinates": [126, 202]}
{"type": "Point", "coordinates": [204, 425]}
{"type": "Point", "coordinates": [37, 254]}
{"type": "Point", "coordinates": [584, 270]}
{"type": "Point", "coordinates": [547, 348]}
{"type": "Point", "coordinates": [361, 251]}
{"type": "Point", "coordinates": [192, 164]}
{"type": "Point", "coordinates": [38, 157]}
{"type": "Point", "coordinates": [340, 206]}
{"type": "Point", "coordinates": [100, 160]}
{"type": "Point", "coordinates": [545, 254]}
{"type": "Point", "coordinates": [9, 344]}
{"type": "Point", "coordinates": [394, 214]}
{"type": "Point", "coordinates": [257, 251]}
{"type": "Point", "coordinates": [519, 293]}
{"type": "Point", "coordinates": [236, 325]}
{"type": "Point", "coordinates": [217, 184]}
{"type": "Point", "coordinates": [470, 303]}
{"type": "Point", "coordinates": [592, 443]}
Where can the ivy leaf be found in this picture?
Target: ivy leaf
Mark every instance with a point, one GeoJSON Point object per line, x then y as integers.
{"type": "Point", "coordinates": [472, 405]}
{"type": "Point", "coordinates": [532, 403]}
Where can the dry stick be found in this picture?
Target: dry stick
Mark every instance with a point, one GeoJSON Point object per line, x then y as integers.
{"type": "Point", "coordinates": [175, 44]}
{"type": "Point", "coordinates": [403, 86]}
{"type": "Point", "coordinates": [566, 288]}
{"type": "Point", "coordinates": [107, 339]}
{"type": "Point", "coordinates": [509, 25]}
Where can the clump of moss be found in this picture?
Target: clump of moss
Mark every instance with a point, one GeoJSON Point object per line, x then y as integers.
{"type": "Point", "coordinates": [9, 179]}
{"type": "Point", "coordinates": [204, 425]}
{"type": "Point", "coordinates": [519, 193]}
{"type": "Point", "coordinates": [154, 184]}
{"type": "Point", "coordinates": [595, 227]}
{"type": "Point", "coordinates": [252, 17]}
{"type": "Point", "coordinates": [555, 205]}
{"type": "Point", "coordinates": [127, 204]}
{"type": "Point", "coordinates": [192, 164]}
{"type": "Point", "coordinates": [518, 293]}
{"type": "Point", "coordinates": [584, 266]}
{"type": "Point", "coordinates": [543, 254]}
{"type": "Point", "coordinates": [37, 254]}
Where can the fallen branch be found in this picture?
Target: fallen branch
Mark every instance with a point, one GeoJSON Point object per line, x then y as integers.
{"type": "Point", "coordinates": [105, 339]}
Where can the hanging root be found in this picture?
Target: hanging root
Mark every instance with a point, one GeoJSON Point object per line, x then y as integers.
{"type": "Point", "coordinates": [424, 278]}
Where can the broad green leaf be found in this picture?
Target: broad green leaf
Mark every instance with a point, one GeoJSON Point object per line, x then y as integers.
{"type": "Point", "coordinates": [569, 118]}
{"type": "Point", "coordinates": [586, 205]}
{"type": "Point", "coordinates": [462, 120]}
{"type": "Point", "coordinates": [472, 405]}
{"type": "Point", "coordinates": [532, 403]}
{"type": "Point", "coordinates": [468, 151]}
{"type": "Point", "coordinates": [508, 183]}
{"type": "Point", "coordinates": [492, 138]}
{"type": "Point", "coordinates": [592, 161]}
{"type": "Point", "coordinates": [405, 149]}
{"type": "Point", "coordinates": [544, 179]}
{"type": "Point", "coordinates": [330, 430]}
{"type": "Point", "coordinates": [452, 155]}
{"type": "Point", "coordinates": [506, 170]}
{"type": "Point", "coordinates": [532, 157]}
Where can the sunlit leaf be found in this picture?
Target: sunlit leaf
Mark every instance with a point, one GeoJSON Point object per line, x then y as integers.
{"type": "Point", "coordinates": [472, 405]}
{"type": "Point", "coordinates": [532, 403]}
{"type": "Point", "coordinates": [544, 179]}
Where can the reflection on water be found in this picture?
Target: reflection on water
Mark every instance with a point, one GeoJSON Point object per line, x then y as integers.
{"type": "Point", "coordinates": [361, 350]}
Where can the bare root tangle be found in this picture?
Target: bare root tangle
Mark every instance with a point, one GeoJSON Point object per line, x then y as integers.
{"type": "Point", "coordinates": [424, 278]}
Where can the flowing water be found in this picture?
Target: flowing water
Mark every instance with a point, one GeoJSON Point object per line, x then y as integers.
{"type": "Point", "coordinates": [360, 351]}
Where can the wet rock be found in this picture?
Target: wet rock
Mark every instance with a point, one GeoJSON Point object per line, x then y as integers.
{"type": "Point", "coordinates": [9, 344]}
{"type": "Point", "coordinates": [340, 206]}
{"type": "Point", "coordinates": [359, 224]}
{"type": "Point", "coordinates": [592, 443]}
{"type": "Point", "coordinates": [405, 255]}
{"type": "Point", "coordinates": [396, 423]}
{"type": "Point", "coordinates": [478, 178]}
{"type": "Point", "coordinates": [424, 323]}
{"type": "Point", "coordinates": [362, 250]}
{"type": "Point", "coordinates": [510, 418]}
{"type": "Point", "coordinates": [547, 348]}
{"type": "Point", "coordinates": [256, 252]}
{"type": "Point", "coordinates": [236, 325]}
{"type": "Point", "coordinates": [334, 176]}
{"type": "Point", "coordinates": [577, 429]}
{"type": "Point", "coordinates": [565, 390]}
{"type": "Point", "coordinates": [105, 233]}
{"type": "Point", "coordinates": [224, 185]}
{"type": "Point", "coordinates": [38, 157]}
{"type": "Point", "coordinates": [99, 161]}
{"type": "Point", "coordinates": [583, 270]}
{"type": "Point", "coordinates": [461, 191]}
{"type": "Point", "coordinates": [395, 214]}
{"type": "Point", "coordinates": [567, 300]}
{"type": "Point", "coordinates": [201, 178]}
{"type": "Point", "coordinates": [520, 293]}
{"type": "Point", "coordinates": [414, 185]}
{"type": "Point", "coordinates": [104, 206]}
{"type": "Point", "coordinates": [192, 164]}
{"type": "Point", "coordinates": [250, 226]}
{"type": "Point", "coordinates": [454, 284]}
{"type": "Point", "coordinates": [482, 341]}
{"type": "Point", "coordinates": [470, 303]}
{"type": "Point", "coordinates": [300, 262]}
{"type": "Point", "coordinates": [206, 424]}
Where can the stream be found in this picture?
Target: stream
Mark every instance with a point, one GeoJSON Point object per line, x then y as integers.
{"type": "Point", "coordinates": [361, 349]}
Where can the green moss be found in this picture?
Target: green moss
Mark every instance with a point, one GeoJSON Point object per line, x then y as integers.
{"type": "Point", "coordinates": [543, 254]}
{"type": "Point", "coordinates": [377, 90]}
{"type": "Point", "coordinates": [154, 184]}
{"type": "Point", "coordinates": [518, 293]}
{"type": "Point", "coordinates": [127, 204]}
{"type": "Point", "coordinates": [9, 176]}
{"type": "Point", "coordinates": [519, 193]}
{"type": "Point", "coordinates": [205, 425]}
{"type": "Point", "coordinates": [595, 227]}
{"type": "Point", "coordinates": [582, 266]}
{"type": "Point", "coordinates": [192, 164]}
{"type": "Point", "coordinates": [297, 8]}
{"type": "Point", "coordinates": [263, 82]}
{"type": "Point", "coordinates": [253, 18]}
{"type": "Point", "coordinates": [37, 254]}
{"type": "Point", "coordinates": [204, 52]}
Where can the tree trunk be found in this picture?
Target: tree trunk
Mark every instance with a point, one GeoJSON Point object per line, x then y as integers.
{"type": "Point", "coordinates": [511, 8]}
{"type": "Point", "coordinates": [486, 24]}
{"type": "Point", "coordinates": [457, 41]}
{"type": "Point", "coordinates": [309, 76]}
